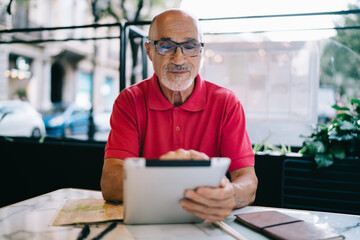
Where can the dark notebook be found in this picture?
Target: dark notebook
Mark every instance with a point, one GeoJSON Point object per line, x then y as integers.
{"type": "Point", "coordinates": [284, 227]}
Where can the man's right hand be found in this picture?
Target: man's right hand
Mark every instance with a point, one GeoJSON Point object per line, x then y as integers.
{"type": "Point", "coordinates": [182, 154]}
{"type": "Point", "coordinates": [112, 173]}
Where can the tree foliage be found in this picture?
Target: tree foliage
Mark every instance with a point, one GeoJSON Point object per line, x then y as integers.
{"type": "Point", "coordinates": [350, 38]}
{"type": "Point", "coordinates": [130, 10]}
{"type": "Point", "coordinates": [340, 58]}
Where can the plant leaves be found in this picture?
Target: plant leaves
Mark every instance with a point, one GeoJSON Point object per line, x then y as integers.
{"type": "Point", "coordinates": [341, 137]}
{"type": "Point", "coordinates": [303, 150]}
{"type": "Point", "coordinates": [337, 107]}
{"type": "Point", "coordinates": [338, 139]}
{"type": "Point", "coordinates": [357, 109]}
{"type": "Point", "coordinates": [347, 126]}
{"type": "Point", "coordinates": [343, 117]}
{"type": "Point", "coordinates": [256, 147]}
{"type": "Point", "coordinates": [324, 160]}
{"type": "Point", "coordinates": [355, 101]}
{"type": "Point", "coordinates": [315, 147]}
{"type": "Point", "coordinates": [338, 152]}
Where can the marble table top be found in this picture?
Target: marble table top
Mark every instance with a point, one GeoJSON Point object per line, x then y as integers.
{"type": "Point", "coordinates": [33, 218]}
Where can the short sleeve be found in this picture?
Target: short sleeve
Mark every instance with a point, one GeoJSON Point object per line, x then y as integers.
{"type": "Point", "coordinates": [235, 142]}
{"type": "Point", "coordinates": [123, 138]}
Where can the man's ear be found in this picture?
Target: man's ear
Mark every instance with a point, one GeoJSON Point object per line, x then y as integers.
{"type": "Point", "coordinates": [147, 46]}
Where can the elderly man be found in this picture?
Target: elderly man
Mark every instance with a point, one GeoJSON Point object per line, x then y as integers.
{"type": "Point", "coordinates": [177, 115]}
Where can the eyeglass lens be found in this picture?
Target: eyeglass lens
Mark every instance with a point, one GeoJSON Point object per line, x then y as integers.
{"type": "Point", "coordinates": [168, 48]}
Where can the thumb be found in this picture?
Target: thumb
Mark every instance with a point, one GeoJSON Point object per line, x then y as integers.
{"type": "Point", "coordinates": [224, 181]}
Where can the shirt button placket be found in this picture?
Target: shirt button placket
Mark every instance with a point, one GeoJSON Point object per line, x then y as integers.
{"type": "Point", "coordinates": [177, 129]}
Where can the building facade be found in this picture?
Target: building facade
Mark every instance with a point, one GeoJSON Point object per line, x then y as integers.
{"type": "Point", "coordinates": [57, 71]}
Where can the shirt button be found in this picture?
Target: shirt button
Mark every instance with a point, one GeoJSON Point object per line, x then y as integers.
{"type": "Point", "coordinates": [177, 128]}
{"type": "Point", "coordinates": [176, 111]}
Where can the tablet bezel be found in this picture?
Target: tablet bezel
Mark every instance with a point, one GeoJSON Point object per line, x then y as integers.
{"type": "Point", "coordinates": [159, 204]}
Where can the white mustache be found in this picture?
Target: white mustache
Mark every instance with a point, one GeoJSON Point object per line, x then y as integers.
{"type": "Point", "coordinates": [177, 68]}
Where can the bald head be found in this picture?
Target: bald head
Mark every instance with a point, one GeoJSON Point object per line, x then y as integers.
{"type": "Point", "coordinates": [173, 19]}
{"type": "Point", "coordinates": [175, 70]}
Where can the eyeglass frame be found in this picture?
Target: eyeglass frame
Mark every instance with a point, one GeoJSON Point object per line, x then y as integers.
{"type": "Point", "coordinates": [177, 45]}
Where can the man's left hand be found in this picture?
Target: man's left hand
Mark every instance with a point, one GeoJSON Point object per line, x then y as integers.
{"type": "Point", "coordinates": [209, 203]}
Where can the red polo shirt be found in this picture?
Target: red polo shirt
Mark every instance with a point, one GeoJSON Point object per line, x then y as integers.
{"type": "Point", "coordinates": [212, 121]}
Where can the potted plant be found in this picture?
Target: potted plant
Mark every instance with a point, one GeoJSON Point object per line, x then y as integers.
{"type": "Point", "coordinates": [338, 140]}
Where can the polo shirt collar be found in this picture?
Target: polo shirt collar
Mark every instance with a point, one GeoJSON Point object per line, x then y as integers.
{"type": "Point", "coordinates": [195, 103]}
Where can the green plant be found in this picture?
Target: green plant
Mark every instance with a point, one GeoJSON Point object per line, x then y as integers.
{"type": "Point", "coordinates": [265, 147]}
{"type": "Point", "coordinates": [271, 148]}
{"type": "Point", "coordinates": [338, 140]}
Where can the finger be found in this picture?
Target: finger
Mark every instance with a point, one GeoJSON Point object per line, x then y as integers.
{"type": "Point", "coordinates": [197, 198]}
{"type": "Point", "coordinates": [211, 202]}
{"type": "Point", "coordinates": [182, 154]}
{"type": "Point", "coordinates": [224, 181]}
{"type": "Point", "coordinates": [198, 155]}
{"type": "Point", "coordinates": [217, 208]}
{"type": "Point", "coordinates": [205, 212]}
{"type": "Point", "coordinates": [167, 156]}
{"type": "Point", "coordinates": [179, 154]}
{"type": "Point", "coordinates": [210, 218]}
{"type": "Point", "coordinates": [220, 193]}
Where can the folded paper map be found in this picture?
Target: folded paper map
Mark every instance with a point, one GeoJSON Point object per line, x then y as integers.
{"type": "Point", "coordinates": [88, 210]}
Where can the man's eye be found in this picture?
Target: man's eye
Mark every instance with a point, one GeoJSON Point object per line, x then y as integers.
{"type": "Point", "coordinates": [190, 46]}
{"type": "Point", "coordinates": [165, 47]}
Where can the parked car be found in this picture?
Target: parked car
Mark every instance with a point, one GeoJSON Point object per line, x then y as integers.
{"type": "Point", "coordinates": [20, 118]}
{"type": "Point", "coordinates": [66, 122]}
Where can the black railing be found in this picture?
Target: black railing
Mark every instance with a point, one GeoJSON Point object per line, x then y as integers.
{"type": "Point", "coordinates": [332, 189]}
{"type": "Point", "coordinates": [127, 30]}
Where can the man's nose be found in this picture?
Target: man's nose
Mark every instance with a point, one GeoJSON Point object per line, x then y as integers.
{"type": "Point", "coordinates": [178, 56]}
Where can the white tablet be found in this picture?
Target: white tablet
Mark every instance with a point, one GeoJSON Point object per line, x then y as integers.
{"type": "Point", "coordinates": [153, 188]}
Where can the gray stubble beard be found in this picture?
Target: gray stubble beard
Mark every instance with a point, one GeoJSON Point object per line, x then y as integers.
{"type": "Point", "coordinates": [178, 84]}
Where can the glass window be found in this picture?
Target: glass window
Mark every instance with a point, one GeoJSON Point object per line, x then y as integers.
{"type": "Point", "coordinates": [83, 89]}
{"type": "Point", "coordinates": [286, 70]}
{"type": "Point", "coordinates": [275, 81]}
{"type": "Point", "coordinates": [107, 90]}
{"type": "Point", "coordinates": [286, 66]}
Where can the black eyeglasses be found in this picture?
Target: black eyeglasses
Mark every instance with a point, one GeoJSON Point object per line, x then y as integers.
{"type": "Point", "coordinates": [168, 47]}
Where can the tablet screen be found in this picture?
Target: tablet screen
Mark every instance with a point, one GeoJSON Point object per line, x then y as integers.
{"type": "Point", "coordinates": [153, 188]}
